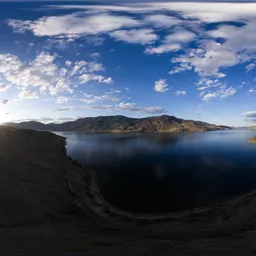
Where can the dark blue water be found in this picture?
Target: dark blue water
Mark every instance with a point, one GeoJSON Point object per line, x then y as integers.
{"type": "Point", "coordinates": [153, 173]}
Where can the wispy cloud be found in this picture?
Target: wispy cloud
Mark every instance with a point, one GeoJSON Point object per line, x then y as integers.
{"type": "Point", "coordinates": [61, 109]}
{"type": "Point", "coordinates": [4, 101]}
{"type": "Point", "coordinates": [126, 106]}
{"type": "Point", "coordinates": [61, 100]}
{"type": "Point", "coordinates": [250, 67]}
{"type": "Point", "coordinates": [222, 93]}
{"type": "Point", "coordinates": [135, 36]}
{"type": "Point", "coordinates": [90, 98]}
{"type": "Point", "coordinates": [4, 87]}
{"type": "Point", "coordinates": [26, 94]}
{"type": "Point", "coordinates": [180, 93]}
{"type": "Point", "coordinates": [73, 25]}
{"type": "Point", "coordinates": [250, 116]}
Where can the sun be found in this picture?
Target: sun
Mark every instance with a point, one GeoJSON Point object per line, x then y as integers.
{"type": "Point", "coordinates": [4, 117]}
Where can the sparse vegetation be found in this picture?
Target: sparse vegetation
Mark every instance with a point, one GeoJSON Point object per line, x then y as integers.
{"type": "Point", "coordinates": [252, 140]}
{"type": "Point", "coordinates": [123, 124]}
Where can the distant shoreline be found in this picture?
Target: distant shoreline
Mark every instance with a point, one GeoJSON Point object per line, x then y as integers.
{"type": "Point", "coordinates": [252, 140]}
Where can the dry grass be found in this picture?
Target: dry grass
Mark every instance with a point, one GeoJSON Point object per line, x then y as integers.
{"type": "Point", "coordinates": [252, 140]}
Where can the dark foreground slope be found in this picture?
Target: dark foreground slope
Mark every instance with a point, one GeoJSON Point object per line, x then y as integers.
{"type": "Point", "coordinates": [32, 176]}
{"type": "Point", "coordinates": [45, 211]}
{"type": "Point", "coordinates": [123, 124]}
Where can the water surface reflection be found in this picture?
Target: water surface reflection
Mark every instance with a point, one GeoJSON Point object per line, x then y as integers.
{"type": "Point", "coordinates": [167, 172]}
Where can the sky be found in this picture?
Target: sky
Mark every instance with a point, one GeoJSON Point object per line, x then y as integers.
{"type": "Point", "coordinates": [63, 60]}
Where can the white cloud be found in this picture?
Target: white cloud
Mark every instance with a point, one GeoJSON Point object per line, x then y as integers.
{"type": "Point", "coordinates": [78, 65]}
{"type": "Point", "coordinates": [43, 76]}
{"type": "Point", "coordinates": [83, 66]}
{"type": "Point", "coordinates": [90, 98]}
{"type": "Point", "coordinates": [182, 67]}
{"type": "Point", "coordinates": [73, 25]}
{"type": "Point", "coordinates": [68, 63]}
{"type": "Point", "coordinates": [206, 83]}
{"type": "Point", "coordinates": [153, 110]}
{"type": "Point", "coordinates": [126, 107]}
{"type": "Point", "coordinates": [27, 95]}
{"type": "Point", "coordinates": [180, 93]}
{"type": "Point", "coordinates": [162, 21]}
{"type": "Point", "coordinates": [133, 107]}
{"type": "Point", "coordinates": [226, 92]}
{"type": "Point", "coordinates": [95, 67]}
{"type": "Point", "coordinates": [85, 78]}
{"type": "Point", "coordinates": [161, 86]}
{"type": "Point", "coordinates": [250, 67]}
{"type": "Point", "coordinates": [205, 11]}
{"type": "Point", "coordinates": [250, 115]}
{"type": "Point", "coordinates": [181, 36]}
{"type": "Point", "coordinates": [163, 48]}
{"type": "Point", "coordinates": [208, 59]}
{"type": "Point", "coordinates": [100, 107]}
{"type": "Point", "coordinates": [4, 87]}
{"type": "Point", "coordinates": [210, 96]}
{"type": "Point", "coordinates": [41, 73]}
{"type": "Point", "coordinates": [233, 51]}
{"type": "Point", "coordinates": [135, 36]}
{"type": "Point", "coordinates": [95, 55]}
{"type": "Point", "coordinates": [202, 88]}
{"type": "Point", "coordinates": [222, 93]}
{"type": "Point", "coordinates": [95, 40]}
{"type": "Point", "coordinates": [172, 42]}
{"type": "Point", "coordinates": [61, 100]}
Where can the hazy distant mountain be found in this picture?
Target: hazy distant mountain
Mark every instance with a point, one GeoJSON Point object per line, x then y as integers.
{"type": "Point", "coordinates": [251, 127]}
{"type": "Point", "coordinates": [33, 125]}
{"type": "Point", "coordinates": [103, 124]}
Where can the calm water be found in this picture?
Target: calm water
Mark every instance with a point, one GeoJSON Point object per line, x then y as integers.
{"type": "Point", "coordinates": [167, 172]}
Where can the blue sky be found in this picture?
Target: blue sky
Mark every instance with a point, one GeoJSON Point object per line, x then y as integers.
{"type": "Point", "coordinates": [65, 60]}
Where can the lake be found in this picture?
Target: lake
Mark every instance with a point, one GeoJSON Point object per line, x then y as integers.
{"type": "Point", "coordinates": [157, 173]}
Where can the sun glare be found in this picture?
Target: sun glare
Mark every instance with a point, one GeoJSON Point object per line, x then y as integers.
{"type": "Point", "coordinates": [4, 117]}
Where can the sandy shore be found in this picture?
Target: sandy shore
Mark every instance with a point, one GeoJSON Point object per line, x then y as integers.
{"type": "Point", "coordinates": [51, 207]}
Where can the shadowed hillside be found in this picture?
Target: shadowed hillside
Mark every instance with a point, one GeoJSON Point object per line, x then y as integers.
{"type": "Point", "coordinates": [49, 206]}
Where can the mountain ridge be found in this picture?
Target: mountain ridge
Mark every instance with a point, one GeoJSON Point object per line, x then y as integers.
{"type": "Point", "coordinates": [122, 124]}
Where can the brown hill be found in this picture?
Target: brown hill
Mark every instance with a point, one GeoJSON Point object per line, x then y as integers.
{"type": "Point", "coordinates": [123, 124]}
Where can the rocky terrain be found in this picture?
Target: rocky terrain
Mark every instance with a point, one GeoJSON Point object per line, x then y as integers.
{"type": "Point", "coordinates": [123, 124]}
{"type": "Point", "coordinates": [51, 206]}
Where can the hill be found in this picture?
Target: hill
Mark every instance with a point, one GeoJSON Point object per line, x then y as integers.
{"type": "Point", "coordinates": [49, 206]}
{"type": "Point", "coordinates": [115, 124]}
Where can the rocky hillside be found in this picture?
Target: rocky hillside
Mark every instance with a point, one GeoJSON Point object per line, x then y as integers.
{"type": "Point", "coordinates": [123, 124]}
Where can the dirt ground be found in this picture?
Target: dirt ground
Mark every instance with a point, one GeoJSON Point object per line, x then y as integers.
{"type": "Point", "coordinates": [41, 215]}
